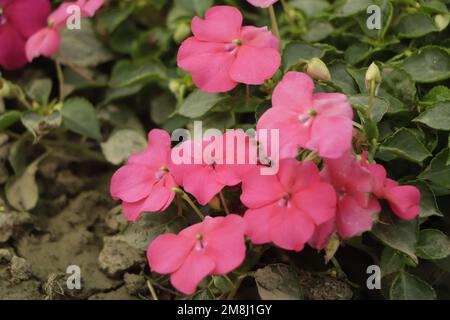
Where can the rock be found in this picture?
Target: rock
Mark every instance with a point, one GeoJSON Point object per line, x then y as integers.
{"type": "Point", "coordinates": [115, 220]}
{"type": "Point", "coordinates": [117, 294]}
{"type": "Point", "coordinates": [320, 287]}
{"type": "Point", "coordinates": [135, 284]}
{"type": "Point", "coordinates": [117, 257]}
{"type": "Point", "coordinates": [69, 182]}
{"type": "Point", "coordinates": [5, 255]}
{"type": "Point", "coordinates": [20, 269]}
{"type": "Point", "coordinates": [6, 226]}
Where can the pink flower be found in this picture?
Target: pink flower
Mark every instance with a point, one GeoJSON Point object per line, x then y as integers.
{"type": "Point", "coordinates": [356, 208]}
{"type": "Point", "coordinates": [213, 247]}
{"type": "Point", "coordinates": [19, 19]}
{"type": "Point", "coordinates": [321, 122]}
{"type": "Point", "coordinates": [223, 53]}
{"type": "Point", "coordinates": [286, 208]}
{"type": "Point", "coordinates": [46, 41]}
{"type": "Point", "coordinates": [262, 3]}
{"type": "Point", "coordinates": [145, 183]}
{"type": "Point", "coordinates": [206, 169]}
{"type": "Point", "coordinates": [403, 200]}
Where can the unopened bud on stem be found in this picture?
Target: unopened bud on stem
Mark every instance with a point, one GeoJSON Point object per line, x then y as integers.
{"type": "Point", "coordinates": [373, 78]}
{"type": "Point", "coordinates": [318, 70]}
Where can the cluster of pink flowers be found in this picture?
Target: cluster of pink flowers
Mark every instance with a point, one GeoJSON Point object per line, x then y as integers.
{"type": "Point", "coordinates": [300, 204]}
{"type": "Point", "coordinates": [28, 29]}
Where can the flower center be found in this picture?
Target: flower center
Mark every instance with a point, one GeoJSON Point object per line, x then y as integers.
{"type": "Point", "coordinates": [231, 47]}
{"type": "Point", "coordinates": [2, 17]}
{"type": "Point", "coordinates": [307, 116]}
{"type": "Point", "coordinates": [200, 242]}
{"type": "Point", "coordinates": [284, 202]}
{"type": "Point", "coordinates": [161, 173]}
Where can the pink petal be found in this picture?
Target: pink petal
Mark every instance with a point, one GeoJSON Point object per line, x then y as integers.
{"type": "Point", "coordinates": [12, 49]}
{"type": "Point", "coordinates": [404, 201]}
{"type": "Point", "coordinates": [352, 219]}
{"type": "Point", "coordinates": [221, 24]}
{"type": "Point", "coordinates": [255, 65]}
{"type": "Point", "coordinates": [58, 17]}
{"type": "Point", "coordinates": [209, 64]}
{"type": "Point", "coordinates": [330, 136]}
{"type": "Point", "coordinates": [378, 174]}
{"type": "Point", "coordinates": [262, 3]}
{"type": "Point", "coordinates": [259, 191]}
{"type": "Point", "coordinates": [167, 252]}
{"type": "Point", "coordinates": [157, 153]}
{"type": "Point", "coordinates": [332, 104]}
{"type": "Point", "coordinates": [296, 176]}
{"type": "Point", "coordinates": [226, 244]}
{"type": "Point", "coordinates": [45, 42]}
{"type": "Point", "coordinates": [201, 184]}
{"type": "Point", "coordinates": [91, 6]}
{"type": "Point", "coordinates": [28, 16]}
{"type": "Point", "coordinates": [321, 234]}
{"type": "Point", "coordinates": [294, 92]}
{"type": "Point", "coordinates": [259, 222]}
{"type": "Point", "coordinates": [291, 229]}
{"type": "Point", "coordinates": [132, 182]}
{"type": "Point", "coordinates": [194, 269]}
{"type": "Point", "coordinates": [292, 133]}
{"type": "Point", "coordinates": [318, 202]}
{"type": "Point", "coordinates": [259, 38]}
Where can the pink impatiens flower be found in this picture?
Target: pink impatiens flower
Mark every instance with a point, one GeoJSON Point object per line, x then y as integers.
{"type": "Point", "coordinates": [286, 208]}
{"type": "Point", "coordinates": [215, 246]}
{"type": "Point", "coordinates": [262, 3]}
{"type": "Point", "coordinates": [357, 208]}
{"type": "Point", "coordinates": [223, 53]}
{"type": "Point", "coordinates": [145, 184]}
{"type": "Point", "coordinates": [321, 122]}
{"type": "Point", "coordinates": [47, 40]}
{"type": "Point", "coordinates": [206, 167]}
{"type": "Point", "coordinates": [403, 200]}
{"type": "Point", "coordinates": [19, 20]}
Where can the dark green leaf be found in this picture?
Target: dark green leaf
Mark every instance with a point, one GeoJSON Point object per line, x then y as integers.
{"type": "Point", "coordinates": [198, 103]}
{"type": "Point", "coordinates": [438, 172]}
{"type": "Point", "coordinates": [436, 116]}
{"type": "Point", "coordinates": [429, 64]}
{"type": "Point", "coordinates": [80, 117]}
{"type": "Point", "coordinates": [409, 287]}
{"type": "Point", "coordinates": [122, 144]}
{"type": "Point", "coordinates": [405, 144]}
{"type": "Point", "coordinates": [126, 73]}
{"type": "Point", "coordinates": [433, 245]}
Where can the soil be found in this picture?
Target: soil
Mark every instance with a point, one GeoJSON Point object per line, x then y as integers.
{"type": "Point", "coordinates": [77, 223]}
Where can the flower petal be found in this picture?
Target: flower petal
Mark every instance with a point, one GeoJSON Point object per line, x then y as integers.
{"type": "Point", "coordinates": [12, 49]}
{"type": "Point", "coordinates": [221, 24]}
{"type": "Point", "coordinates": [28, 16]}
{"type": "Point", "coordinates": [404, 201]}
{"type": "Point", "coordinates": [167, 252]}
{"type": "Point", "coordinates": [294, 92]}
{"type": "Point", "coordinates": [44, 42]}
{"type": "Point", "coordinates": [259, 221]}
{"type": "Point", "coordinates": [259, 38]}
{"type": "Point", "coordinates": [132, 182]}
{"type": "Point", "coordinates": [255, 65]}
{"type": "Point", "coordinates": [352, 219]}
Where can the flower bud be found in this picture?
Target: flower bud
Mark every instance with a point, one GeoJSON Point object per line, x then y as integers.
{"type": "Point", "coordinates": [182, 31]}
{"type": "Point", "coordinates": [5, 89]}
{"type": "Point", "coordinates": [441, 21]}
{"type": "Point", "coordinates": [317, 69]}
{"type": "Point", "coordinates": [373, 77]}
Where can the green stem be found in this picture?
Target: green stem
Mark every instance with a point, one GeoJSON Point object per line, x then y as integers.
{"type": "Point", "coordinates": [152, 290]}
{"type": "Point", "coordinates": [273, 19]}
{"type": "Point", "coordinates": [60, 76]}
{"type": "Point", "coordinates": [186, 198]}
{"type": "Point", "coordinates": [224, 203]}
{"type": "Point", "coordinates": [371, 98]}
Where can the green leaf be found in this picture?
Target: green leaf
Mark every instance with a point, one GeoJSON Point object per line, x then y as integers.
{"type": "Point", "coordinates": [80, 117]}
{"type": "Point", "coordinates": [41, 125]}
{"type": "Point", "coordinates": [429, 64]}
{"type": "Point", "coordinates": [433, 245]}
{"type": "Point", "coordinates": [162, 107]}
{"type": "Point", "coordinates": [317, 31]}
{"type": "Point", "coordinates": [297, 52]}
{"type": "Point", "coordinates": [436, 116]}
{"type": "Point", "coordinates": [342, 78]}
{"type": "Point", "coordinates": [122, 144]}
{"type": "Point", "coordinates": [398, 234]}
{"type": "Point", "coordinates": [437, 94]}
{"type": "Point", "coordinates": [379, 108]}
{"type": "Point", "coordinates": [357, 52]}
{"type": "Point", "coordinates": [113, 18]}
{"type": "Point", "coordinates": [126, 73]}
{"type": "Point", "coordinates": [311, 8]}
{"type": "Point", "coordinates": [22, 191]}
{"type": "Point", "coordinates": [8, 118]}
{"type": "Point", "coordinates": [415, 26]}
{"type": "Point", "coordinates": [352, 7]}
{"type": "Point", "coordinates": [222, 284]}
{"type": "Point", "coordinates": [199, 103]}
{"type": "Point", "coordinates": [391, 261]}
{"type": "Point", "coordinates": [397, 83]}
{"type": "Point", "coordinates": [81, 47]}
{"type": "Point", "coordinates": [278, 282]}
{"type": "Point", "coordinates": [405, 144]}
{"type": "Point", "coordinates": [438, 172]}
{"type": "Point", "coordinates": [409, 287]}
{"type": "Point", "coordinates": [428, 205]}
{"type": "Point", "coordinates": [39, 90]}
